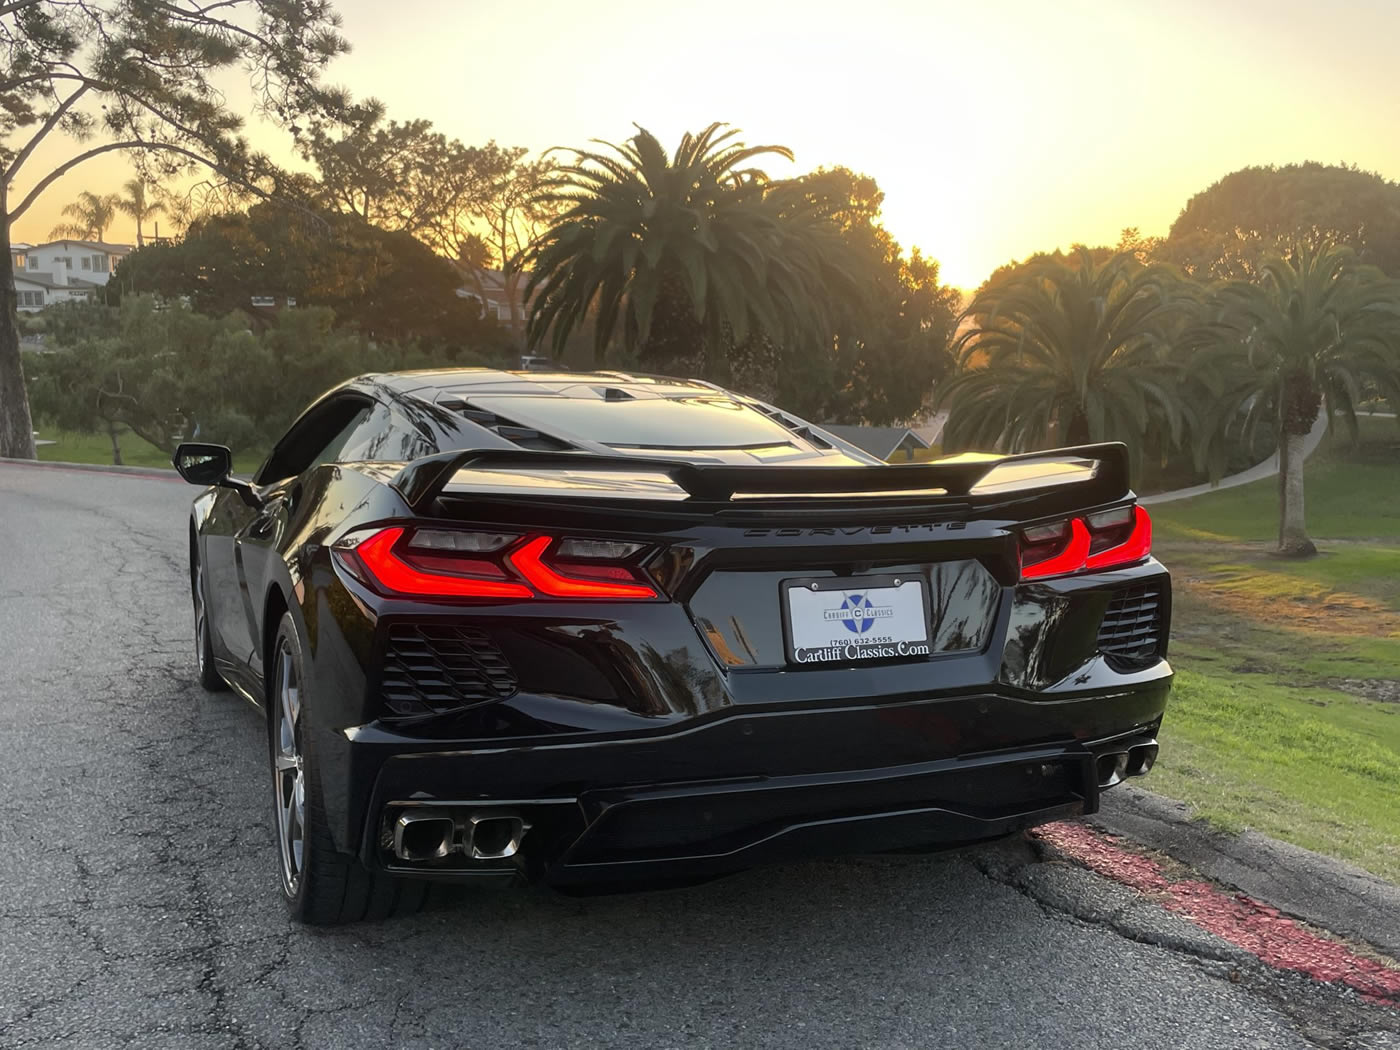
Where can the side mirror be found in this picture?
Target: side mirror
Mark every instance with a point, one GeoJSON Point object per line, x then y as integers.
{"type": "Point", "coordinates": [202, 464]}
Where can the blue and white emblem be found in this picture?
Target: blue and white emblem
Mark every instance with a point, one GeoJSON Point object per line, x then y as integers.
{"type": "Point", "coordinates": [857, 613]}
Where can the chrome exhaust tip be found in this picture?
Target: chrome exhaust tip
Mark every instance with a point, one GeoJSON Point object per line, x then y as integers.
{"type": "Point", "coordinates": [423, 834]}
{"type": "Point", "coordinates": [1111, 767]}
{"type": "Point", "coordinates": [494, 836]}
{"type": "Point", "coordinates": [1141, 758]}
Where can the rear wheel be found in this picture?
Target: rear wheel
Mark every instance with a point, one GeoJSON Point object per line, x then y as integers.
{"type": "Point", "coordinates": [321, 885]}
{"type": "Point", "coordinates": [203, 640]}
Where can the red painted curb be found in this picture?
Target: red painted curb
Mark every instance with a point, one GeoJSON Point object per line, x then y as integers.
{"type": "Point", "coordinates": [1273, 938]}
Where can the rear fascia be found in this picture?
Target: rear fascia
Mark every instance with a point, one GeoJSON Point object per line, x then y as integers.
{"type": "Point", "coordinates": [623, 693]}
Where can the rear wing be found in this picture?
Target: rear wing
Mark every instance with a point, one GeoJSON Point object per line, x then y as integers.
{"type": "Point", "coordinates": [1082, 476]}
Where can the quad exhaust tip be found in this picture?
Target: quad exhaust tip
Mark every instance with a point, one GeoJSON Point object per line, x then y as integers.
{"type": "Point", "coordinates": [428, 833]}
{"type": "Point", "coordinates": [494, 836]}
{"type": "Point", "coordinates": [1113, 767]}
{"type": "Point", "coordinates": [423, 834]}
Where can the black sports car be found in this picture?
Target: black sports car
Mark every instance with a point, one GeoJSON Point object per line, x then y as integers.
{"type": "Point", "coordinates": [602, 628]}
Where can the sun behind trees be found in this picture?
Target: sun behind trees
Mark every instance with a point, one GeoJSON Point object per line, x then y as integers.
{"type": "Point", "coordinates": [700, 263]}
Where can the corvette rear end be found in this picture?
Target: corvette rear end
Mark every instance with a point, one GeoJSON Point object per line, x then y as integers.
{"type": "Point", "coordinates": [595, 668]}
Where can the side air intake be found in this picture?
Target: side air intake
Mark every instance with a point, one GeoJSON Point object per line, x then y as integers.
{"type": "Point", "coordinates": [1131, 633]}
{"type": "Point", "coordinates": [437, 669]}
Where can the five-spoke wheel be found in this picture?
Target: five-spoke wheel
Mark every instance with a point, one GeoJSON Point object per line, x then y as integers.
{"type": "Point", "coordinates": [287, 766]}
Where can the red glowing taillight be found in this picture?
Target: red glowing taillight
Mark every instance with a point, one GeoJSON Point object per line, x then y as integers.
{"type": "Point", "coordinates": [1098, 541]}
{"type": "Point", "coordinates": [447, 563]}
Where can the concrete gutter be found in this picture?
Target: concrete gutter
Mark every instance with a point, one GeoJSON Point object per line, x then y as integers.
{"type": "Point", "coordinates": [1321, 891]}
{"type": "Point", "coordinates": [163, 473]}
{"type": "Point", "coordinates": [1265, 469]}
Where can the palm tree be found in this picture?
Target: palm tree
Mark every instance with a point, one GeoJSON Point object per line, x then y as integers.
{"type": "Point", "coordinates": [1067, 351]}
{"type": "Point", "coordinates": [691, 253]}
{"type": "Point", "coordinates": [91, 216]}
{"type": "Point", "coordinates": [139, 205]}
{"type": "Point", "coordinates": [1310, 330]}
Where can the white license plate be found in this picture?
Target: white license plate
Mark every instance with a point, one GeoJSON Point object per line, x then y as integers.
{"type": "Point", "coordinates": [849, 619]}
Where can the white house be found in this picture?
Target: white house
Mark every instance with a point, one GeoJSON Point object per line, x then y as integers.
{"type": "Point", "coordinates": [61, 271]}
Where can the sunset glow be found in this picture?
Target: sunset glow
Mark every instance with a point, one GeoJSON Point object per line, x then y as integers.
{"type": "Point", "coordinates": [994, 130]}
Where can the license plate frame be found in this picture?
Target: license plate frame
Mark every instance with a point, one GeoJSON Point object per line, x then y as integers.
{"type": "Point", "coordinates": [857, 646]}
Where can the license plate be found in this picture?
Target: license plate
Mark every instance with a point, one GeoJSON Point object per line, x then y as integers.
{"type": "Point", "coordinates": [850, 619]}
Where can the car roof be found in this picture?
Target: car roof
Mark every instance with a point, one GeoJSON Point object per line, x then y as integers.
{"type": "Point", "coordinates": [617, 413]}
{"type": "Point", "coordinates": [430, 383]}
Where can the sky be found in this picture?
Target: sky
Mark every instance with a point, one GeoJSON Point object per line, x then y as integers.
{"type": "Point", "coordinates": [996, 129]}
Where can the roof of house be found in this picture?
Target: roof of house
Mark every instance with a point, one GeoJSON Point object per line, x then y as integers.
{"type": "Point", "coordinates": [878, 441]}
{"type": "Point", "coordinates": [491, 282]}
{"type": "Point", "coordinates": [45, 280]}
{"type": "Point", "coordinates": [98, 246]}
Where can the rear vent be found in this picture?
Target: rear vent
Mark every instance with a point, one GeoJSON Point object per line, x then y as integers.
{"type": "Point", "coordinates": [525, 437]}
{"type": "Point", "coordinates": [435, 669]}
{"type": "Point", "coordinates": [1131, 633]}
{"type": "Point", "coordinates": [803, 431]}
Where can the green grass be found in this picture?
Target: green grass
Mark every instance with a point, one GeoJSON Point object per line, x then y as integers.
{"type": "Point", "coordinates": [1267, 727]}
{"type": "Point", "coordinates": [1310, 765]}
{"type": "Point", "coordinates": [76, 447]}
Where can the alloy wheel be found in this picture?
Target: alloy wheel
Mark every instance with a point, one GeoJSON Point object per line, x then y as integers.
{"type": "Point", "coordinates": [287, 769]}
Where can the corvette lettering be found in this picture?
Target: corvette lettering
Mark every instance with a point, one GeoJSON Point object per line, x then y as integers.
{"type": "Point", "coordinates": [874, 530]}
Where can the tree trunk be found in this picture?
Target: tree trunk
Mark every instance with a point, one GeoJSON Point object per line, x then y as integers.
{"type": "Point", "coordinates": [116, 443]}
{"type": "Point", "coordinates": [1299, 406]}
{"type": "Point", "coordinates": [16, 425]}
{"type": "Point", "coordinates": [1078, 430]}
{"type": "Point", "coordinates": [1293, 534]}
{"type": "Point", "coordinates": [676, 343]}
{"type": "Point", "coordinates": [140, 236]}
{"type": "Point", "coordinates": [1282, 480]}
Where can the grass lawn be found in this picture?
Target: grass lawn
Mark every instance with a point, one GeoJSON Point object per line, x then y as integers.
{"type": "Point", "coordinates": [75, 447]}
{"type": "Point", "coordinates": [1286, 712]}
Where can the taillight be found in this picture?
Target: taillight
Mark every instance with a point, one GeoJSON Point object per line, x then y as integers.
{"type": "Point", "coordinates": [1098, 541]}
{"type": "Point", "coordinates": [451, 563]}
{"type": "Point", "coordinates": [398, 568]}
{"type": "Point", "coordinates": [580, 580]}
{"type": "Point", "coordinates": [1126, 545]}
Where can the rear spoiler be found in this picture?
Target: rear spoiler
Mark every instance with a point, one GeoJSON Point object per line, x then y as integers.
{"type": "Point", "coordinates": [1097, 474]}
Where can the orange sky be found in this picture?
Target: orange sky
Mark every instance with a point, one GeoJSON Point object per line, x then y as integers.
{"type": "Point", "coordinates": [995, 129]}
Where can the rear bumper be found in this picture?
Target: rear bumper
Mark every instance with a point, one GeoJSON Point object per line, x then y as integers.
{"type": "Point", "coordinates": [755, 786]}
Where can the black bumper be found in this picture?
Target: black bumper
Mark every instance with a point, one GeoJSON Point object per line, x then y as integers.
{"type": "Point", "coordinates": [753, 786]}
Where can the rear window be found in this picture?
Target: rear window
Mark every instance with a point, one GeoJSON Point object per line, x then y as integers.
{"type": "Point", "coordinates": [658, 423]}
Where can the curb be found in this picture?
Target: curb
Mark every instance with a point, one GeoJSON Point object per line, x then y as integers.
{"type": "Point", "coordinates": [1324, 892]}
{"type": "Point", "coordinates": [1261, 471]}
{"type": "Point", "coordinates": [158, 473]}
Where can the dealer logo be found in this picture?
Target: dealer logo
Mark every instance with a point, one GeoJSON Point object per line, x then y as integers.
{"type": "Point", "coordinates": [856, 614]}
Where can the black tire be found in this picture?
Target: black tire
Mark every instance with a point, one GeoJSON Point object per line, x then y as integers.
{"type": "Point", "coordinates": [209, 676]}
{"type": "Point", "coordinates": [322, 886]}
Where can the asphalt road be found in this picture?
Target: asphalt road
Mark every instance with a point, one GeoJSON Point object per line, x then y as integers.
{"type": "Point", "coordinates": [139, 906]}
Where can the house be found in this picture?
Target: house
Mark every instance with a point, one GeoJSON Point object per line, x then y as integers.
{"type": "Point", "coordinates": [501, 299]}
{"type": "Point", "coordinates": [888, 443]}
{"type": "Point", "coordinates": [92, 261]}
{"type": "Point", "coordinates": [34, 291]}
{"type": "Point", "coordinates": [61, 271]}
